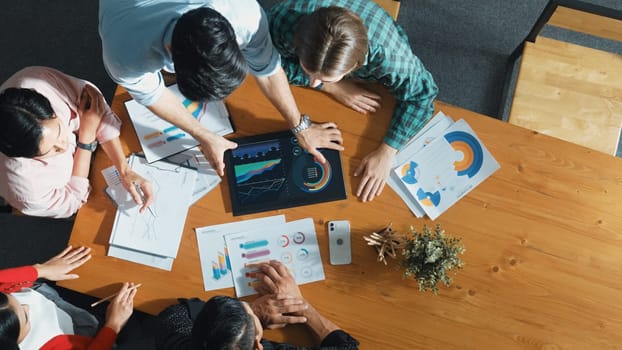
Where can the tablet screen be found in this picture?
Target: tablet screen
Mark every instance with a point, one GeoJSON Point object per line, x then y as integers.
{"type": "Point", "coordinates": [271, 171]}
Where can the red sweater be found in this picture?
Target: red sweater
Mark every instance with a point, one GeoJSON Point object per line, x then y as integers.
{"type": "Point", "coordinates": [13, 280]}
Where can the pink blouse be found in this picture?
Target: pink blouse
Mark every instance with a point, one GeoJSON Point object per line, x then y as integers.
{"type": "Point", "coordinates": [45, 187]}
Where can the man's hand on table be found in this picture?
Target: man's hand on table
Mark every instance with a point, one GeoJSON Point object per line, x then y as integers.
{"type": "Point", "coordinates": [325, 135]}
{"type": "Point", "coordinates": [275, 278]}
{"type": "Point", "coordinates": [279, 310]}
{"type": "Point", "coordinates": [374, 168]}
{"type": "Point", "coordinates": [213, 147]}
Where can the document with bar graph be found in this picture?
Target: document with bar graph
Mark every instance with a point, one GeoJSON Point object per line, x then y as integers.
{"type": "Point", "coordinates": [160, 139]}
{"type": "Point", "coordinates": [213, 253]}
{"type": "Point", "coordinates": [293, 243]}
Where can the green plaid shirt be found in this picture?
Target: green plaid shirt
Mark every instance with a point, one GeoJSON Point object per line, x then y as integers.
{"type": "Point", "coordinates": [389, 61]}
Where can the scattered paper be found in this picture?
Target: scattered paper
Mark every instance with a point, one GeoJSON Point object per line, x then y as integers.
{"type": "Point", "coordinates": [446, 169]}
{"type": "Point", "coordinates": [160, 139]}
{"type": "Point", "coordinates": [207, 178]}
{"type": "Point", "coordinates": [433, 128]}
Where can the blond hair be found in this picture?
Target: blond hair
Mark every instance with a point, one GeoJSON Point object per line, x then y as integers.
{"type": "Point", "coordinates": [331, 41]}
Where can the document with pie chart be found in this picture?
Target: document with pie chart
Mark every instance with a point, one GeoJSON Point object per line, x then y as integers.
{"type": "Point", "coordinates": [293, 243]}
{"type": "Point", "coordinates": [446, 169]}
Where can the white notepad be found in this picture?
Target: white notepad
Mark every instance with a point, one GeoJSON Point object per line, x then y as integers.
{"type": "Point", "coordinates": [158, 234]}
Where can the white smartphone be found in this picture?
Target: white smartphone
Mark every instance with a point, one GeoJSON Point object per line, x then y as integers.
{"type": "Point", "coordinates": [339, 242]}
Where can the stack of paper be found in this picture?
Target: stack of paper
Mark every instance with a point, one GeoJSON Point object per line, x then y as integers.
{"type": "Point", "coordinates": [443, 163]}
{"type": "Point", "coordinates": [160, 139]}
{"type": "Point", "coordinates": [152, 237]}
{"type": "Point", "coordinates": [226, 250]}
{"type": "Point", "coordinates": [207, 178]}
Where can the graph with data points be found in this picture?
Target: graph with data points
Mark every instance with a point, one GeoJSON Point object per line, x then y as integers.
{"type": "Point", "coordinates": [293, 243]}
{"type": "Point", "coordinates": [214, 254]}
{"type": "Point", "coordinates": [446, 169]}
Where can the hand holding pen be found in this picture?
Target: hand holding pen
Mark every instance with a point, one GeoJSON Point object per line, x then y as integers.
{"type": "Point", "coordinates": [144, 200]}
{"type": "Point", "coordinates": [139, 188]}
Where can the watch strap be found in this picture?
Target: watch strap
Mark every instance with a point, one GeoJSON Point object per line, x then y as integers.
{"type": "Point", "coordinates": [87, 146]}
{"type": "Point", "coordinates": [305, 123]}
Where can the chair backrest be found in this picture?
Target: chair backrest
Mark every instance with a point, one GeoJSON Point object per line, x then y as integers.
{"type": "Point", "coordinates": [391, 6]}
{"type": "Point", "coordinates": [588, 23]}
{"type": "Point", "coordinates": [559, 88]}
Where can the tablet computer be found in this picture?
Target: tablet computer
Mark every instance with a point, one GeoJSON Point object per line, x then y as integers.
{"type": "Point", "coordinates": [271, 171]}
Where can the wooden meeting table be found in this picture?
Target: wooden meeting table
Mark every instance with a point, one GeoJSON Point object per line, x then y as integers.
{"type": "Point", "coordinates": [543, 238]}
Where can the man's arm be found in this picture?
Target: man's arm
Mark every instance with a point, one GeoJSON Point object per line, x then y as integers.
{"type": "Point", "coordinates": [276, 279]}
{"type": "Point", "coordinates": [325, 135]}
{"type": "Point", "coordinates": [213, 146]}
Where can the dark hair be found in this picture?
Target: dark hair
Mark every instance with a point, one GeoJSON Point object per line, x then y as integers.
{"type": "Point", "coordinates": [209, 64]}
{"type": "Point", "coordinates": [21, 113]}
{"type": "Point", "coordinates": [223, 324]}
{"type": "Point", "coordinates": [331, 40]}
{"type": "Point", "coordinates": [9, 325]}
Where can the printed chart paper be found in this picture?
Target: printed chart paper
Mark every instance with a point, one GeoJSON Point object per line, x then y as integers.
{"type": "Point", "coordinates": [432, 129]}
{"type": "Point", "coordinates": [293, 243]}
{"type": "Point", "coordinates": [446, 169]}
{"type": "Point", "coordinates": [214, 255]}
{"type": "Point", "coordinates": [160, 139]}
{"type": "Point", "coordinates": [207, 178]}
{"type": "Point", "coordinates": [158, 234]}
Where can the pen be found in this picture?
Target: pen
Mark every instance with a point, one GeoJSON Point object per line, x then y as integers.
{"type": "Point", "coordinates": [142, 197]}
{"type": "Point", "coordinates": [112, 296]}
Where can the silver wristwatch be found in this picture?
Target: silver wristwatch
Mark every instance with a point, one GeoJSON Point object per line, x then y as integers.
{"type": "Point", "coordinates": [305, 123]}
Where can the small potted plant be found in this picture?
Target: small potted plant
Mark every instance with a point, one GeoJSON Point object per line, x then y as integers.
{"type": "Point", "coordinates": [430, 256]}
{"type": "Point", "coordinates": [427, 256]}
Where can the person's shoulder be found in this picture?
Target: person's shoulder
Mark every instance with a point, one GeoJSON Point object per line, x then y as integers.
{"type": "Point", "coordinates": [30, 179]}
{"type": "Point", "coordinates": [175, 316]}
{"type": "Point", "coordinates": [32, 77]}
{"type": "Point", "coordinates": [174, 328]}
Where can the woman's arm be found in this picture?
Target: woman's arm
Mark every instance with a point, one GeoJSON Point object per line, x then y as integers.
{"type": "Point", "coordinates": [56, 269]}
{"type": "Point", "coordinates": [14, 279]}
{"type": "Point", "coordinates": [129, 177]}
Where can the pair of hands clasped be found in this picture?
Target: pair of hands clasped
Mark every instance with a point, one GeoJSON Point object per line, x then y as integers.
{"type": "Point", "coordinates": [91, 110]}
{"type": "Point", "coordinates": [280, 302]}
{"type": "Point", "coordinates": [59, 268]}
